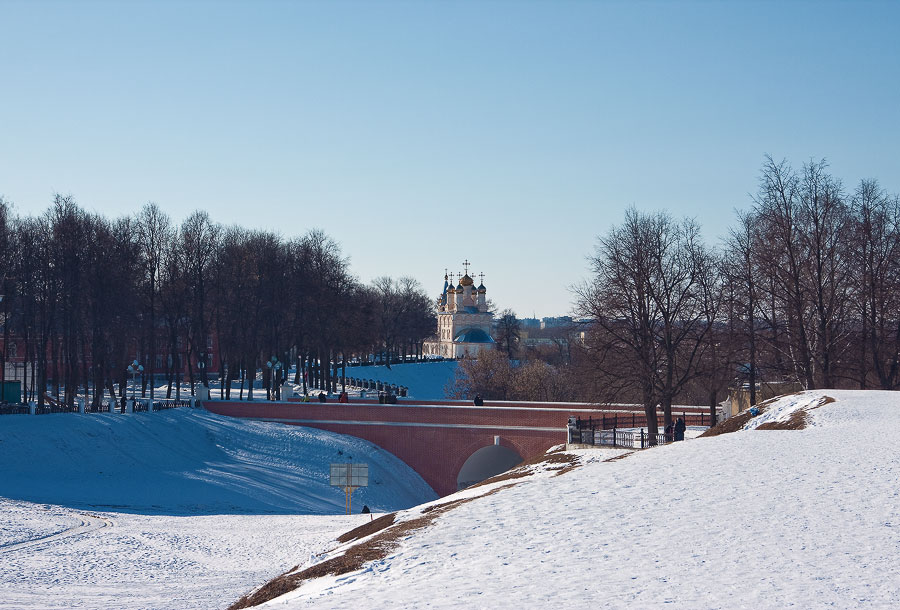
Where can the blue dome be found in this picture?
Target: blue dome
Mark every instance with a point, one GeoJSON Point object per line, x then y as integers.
{"type": "Point", "coordinates": [473, 335]}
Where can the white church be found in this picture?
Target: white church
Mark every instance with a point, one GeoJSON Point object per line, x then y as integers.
{"type": "Point", "coordinates": [464, 322]}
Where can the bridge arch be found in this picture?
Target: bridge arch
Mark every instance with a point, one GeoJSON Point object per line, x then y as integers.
{"type": "Point", "coordinates": [480, 461]}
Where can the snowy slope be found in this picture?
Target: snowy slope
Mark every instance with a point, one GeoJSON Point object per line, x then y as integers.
{"type": "Point", "coordinates": [425, 380]}
{"type": "Point", "coordinates": [185, 462]}
{"type": "Point", "coordinates": [753, 519]}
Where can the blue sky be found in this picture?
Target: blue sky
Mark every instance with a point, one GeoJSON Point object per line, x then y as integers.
{"type": "Point", "coordinates": [421, 134]}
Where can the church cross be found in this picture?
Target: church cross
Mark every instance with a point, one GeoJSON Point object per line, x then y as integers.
{"type": "Point", "coordinates": [481, 277]}
{"type": "Point", "coordinates": [466, 265]}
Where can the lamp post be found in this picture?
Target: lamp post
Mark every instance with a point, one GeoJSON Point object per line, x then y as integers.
{"type": "Point", "coordinates": [274, 366]}
{"type": "Point", "coordinates": [201, 365]}
{"type": "Point", "coordinates": [134, 368]}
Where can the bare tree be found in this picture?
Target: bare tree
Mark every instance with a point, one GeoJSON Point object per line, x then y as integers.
{"type": "Point", "coordinates": [508, 332]}
{"type": "Point", "coordinates": [154, 235]}
{"type": "Point", "coordinates": [649, 303]}
{"type": "Point", "coordinates": [876, 226]}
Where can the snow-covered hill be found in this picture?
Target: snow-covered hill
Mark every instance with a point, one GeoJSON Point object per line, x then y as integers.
{"type": "Point", "coordinates": [185, 461]}
{"type": "Point", "coordinates": [425, 380]}
{"type": "Point", "coordinates": [754, 519]}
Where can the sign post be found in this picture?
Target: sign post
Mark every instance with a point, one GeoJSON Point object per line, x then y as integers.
{"type": "Point", "coordinates": [349, 476]}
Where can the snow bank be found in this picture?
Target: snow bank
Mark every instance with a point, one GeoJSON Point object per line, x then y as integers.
{"type": "Point", "coordinates": [184, 461]}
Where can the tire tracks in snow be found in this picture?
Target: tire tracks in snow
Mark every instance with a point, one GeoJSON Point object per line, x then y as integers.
{"type": "Point", "coordinates": [88, 523]}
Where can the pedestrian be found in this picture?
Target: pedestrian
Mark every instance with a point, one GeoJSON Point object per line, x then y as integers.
{"type": "Point", "coordinates": [680, 427]}
{"type": "Point", "coordinates": [670, 433]}
{"type": "Point", "coordinates": [322, 397]}
{"type": "Point", "coordinates": [343, 397]}
{"type": "Point", "coordinates": [479, 402]}
{"type": "Point", "coordinates": [362, 393]}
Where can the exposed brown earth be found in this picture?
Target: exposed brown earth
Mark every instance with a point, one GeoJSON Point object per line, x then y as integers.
{"type": "Point", "coordinates": [376, 525]}
{"type": "Point", "coordinates": [797, 421]}
{"type": "Point", "coordinates": [618, 457]}
{"type": "Point", "coordinates": [732, 424]}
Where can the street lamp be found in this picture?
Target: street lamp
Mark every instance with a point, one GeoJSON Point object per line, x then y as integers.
{"type": "Point", "coordinates": [274, 367]}
{"type": "Point", "coordinates": [134, 368]}
{"type": "Point", "coordinates": [201, 364]}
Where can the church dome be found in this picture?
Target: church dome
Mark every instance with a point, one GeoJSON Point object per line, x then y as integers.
{"type": "Point", "coordinates": [459, 288]}
{"type": "Point", "coordinates": [473, 335]}
{"type": "Point", "coordinates": [481, 288]}
{"type": "Point", "coordinates": [466, 280]}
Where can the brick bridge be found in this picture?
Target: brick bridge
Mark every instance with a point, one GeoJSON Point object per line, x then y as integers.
{"type": "Point", "coordinates": [436, 438]}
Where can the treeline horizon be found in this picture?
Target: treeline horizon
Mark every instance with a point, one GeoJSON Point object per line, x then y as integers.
{"type": "Point", "coordinates": [804, 292]}
{"type": "Point", "coordinates": [84, 296]}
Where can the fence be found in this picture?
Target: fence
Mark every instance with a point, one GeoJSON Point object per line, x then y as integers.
{"type": "Point", "coordinates": [636, 420]}
{"type": "Point", "coordinates": [628, 439]}
{"type": "Point", "coordinates": [9, 409]}
{"type": "Point", "coordinates": [106, 406]}
{"type": "Point", "coordinates": [605, 430]}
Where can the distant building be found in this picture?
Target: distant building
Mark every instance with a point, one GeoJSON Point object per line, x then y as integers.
{"type": "Point", "coordinates": [529, 323]}
{"type": "Point", "coordinates": [464, 322]}
{"type": "Point", "coordinates": [556, 322]}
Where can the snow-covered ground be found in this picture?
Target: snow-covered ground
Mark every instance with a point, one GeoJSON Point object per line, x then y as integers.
{"type": "Point", "coordinates": [171, 509]}
{"type": "Point", "coordinates": [754, 519]}
{"type": "Point", "coordinates": [53, 557]}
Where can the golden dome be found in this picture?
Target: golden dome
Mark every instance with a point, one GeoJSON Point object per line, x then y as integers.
{"type": "Point", "coordinates": [466, 281]}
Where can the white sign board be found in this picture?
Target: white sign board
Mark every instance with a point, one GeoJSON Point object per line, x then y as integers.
{"type": "Point", "coordinates": [350, 475]}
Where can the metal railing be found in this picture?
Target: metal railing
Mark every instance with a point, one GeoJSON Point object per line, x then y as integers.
{"type": "Point", "coordinates": [105, 406]}
{"type": "Point", "coordinates": [606, 430]}
{"type": "Point", "coordinates": [636, 420]}
{"type": "Point", "coordinates": [628, 439]}
{"type": "Point", "coordinates": [10, 409]}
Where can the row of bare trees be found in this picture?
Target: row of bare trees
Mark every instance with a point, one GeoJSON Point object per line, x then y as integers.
{"type": "Point", "coordinates": [805, 290]}
{"type": "Point", "coordinates": [85, 296]}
